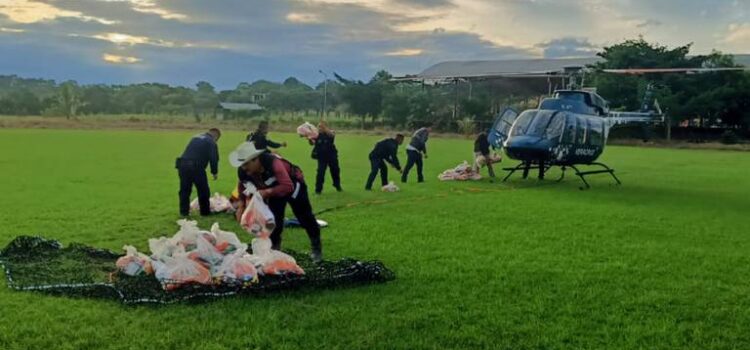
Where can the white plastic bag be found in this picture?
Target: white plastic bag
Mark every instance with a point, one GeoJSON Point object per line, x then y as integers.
{"type": "Point", "coordinates": [226, 242]}
{"type": "Point", "coordinates": [134, 263]}
{"type": "Point", "coordinates": [258, 219]}
{"type": "Point", "coordinates": [390, 187]}
{"type": "Point", "coordinates": [218, 204]}
{"type": "Point", "coordinates": [272, 262]}
{"type": "Point", "coordinates": [162, 248]}
{"type": "Point", "coordinates": [206, 254]}
{"type": "Point", "coordinates": [187, 235]}
{"type": "Point", "coordinates": [307, 130]}
{"type": "Point", "coordinates": [180, 270]}
{"type": "Point", "coordinates": [237, 268]}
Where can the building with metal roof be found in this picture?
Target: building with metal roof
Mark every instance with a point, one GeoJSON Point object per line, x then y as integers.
{"type": "Point", "coordinates": [226, 109]}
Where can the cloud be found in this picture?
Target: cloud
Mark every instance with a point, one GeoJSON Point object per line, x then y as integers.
{"type": "Point", "coordinates": [28, 11]}
{"type": "Point", "coordinates": [648, 23]}
{"type": "Point", "coordinates": [425, 3]}
{"type": "Point", "coordinates": [296, 17]}
{"type": "Point", "coordinates": [405, 52]}
{"type": "Point", "coordinates": [242, 40]}
{"type": "Point", "coordinates": [125, 39]}
{"type": "Point", "coordinates": [738, 37]}
{"type": "Point", "coordinates": [117, 59]}
{"type": "Point", "coordinates": [150, 7]}
{"type": "Point", "coordinates": [568, 48]}
{"type": "Point", "coordinates": [11, 30]}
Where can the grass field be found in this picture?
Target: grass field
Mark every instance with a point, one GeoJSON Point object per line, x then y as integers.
{"type": "Point", "coordinates": [659, 263]}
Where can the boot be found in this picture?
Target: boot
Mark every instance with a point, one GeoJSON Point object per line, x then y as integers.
{"type": "Point", "coordinates": [316, 253]}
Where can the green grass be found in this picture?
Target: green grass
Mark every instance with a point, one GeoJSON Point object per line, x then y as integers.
{"type": "Point", "coordinates": [659, 263]}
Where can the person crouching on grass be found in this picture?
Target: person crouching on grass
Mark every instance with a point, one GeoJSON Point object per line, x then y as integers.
{"type": "Point", "coordinates": [482, 154]}
{"type": "Point", "coordinates": [279, 182]}
{"type": "Point", "coordinates": [385, 151]}
{"type": "Point", "coordinates": [200, 152]}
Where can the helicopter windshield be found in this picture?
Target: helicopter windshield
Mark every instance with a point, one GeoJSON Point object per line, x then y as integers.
{"type": "Point", "coordinates": [523, 122]}
{"type": "Point", "coordinates": [544, 123]}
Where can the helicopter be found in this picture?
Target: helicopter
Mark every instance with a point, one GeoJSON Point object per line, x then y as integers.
{"type": "Point", "coordinates": [570, 129]}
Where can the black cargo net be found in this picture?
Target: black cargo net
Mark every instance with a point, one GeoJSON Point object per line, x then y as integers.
{"type": "Point", "coordinates": [39, 264]}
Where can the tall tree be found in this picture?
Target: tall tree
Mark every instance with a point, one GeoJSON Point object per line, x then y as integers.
{"type": "Point", "coordinates": [69, 99]}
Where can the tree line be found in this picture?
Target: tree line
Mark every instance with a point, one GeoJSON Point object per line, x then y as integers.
{"type": "Point", "coordinates": [713, 98]}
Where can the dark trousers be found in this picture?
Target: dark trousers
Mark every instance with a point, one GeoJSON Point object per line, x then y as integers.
{"type": "Point", "coordinates": [331, 162]}
{"type": "Point", "coordinates": [413, 157]}
{"type": "Point", "coordinates": [192, 175]}
{"type": "Point", "coordinates": [300, 203]}
{"type": "Point", "coordinates": [377, 165]}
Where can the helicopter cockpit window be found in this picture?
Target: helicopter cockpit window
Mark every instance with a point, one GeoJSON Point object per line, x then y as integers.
{"type": "Point", "coordinates": [569, 133]}
{"type": "Point", "coordinates": [555, 126]}
{"type": "Point", "coordinates": [522, 123]}
{"type": "Point", "coordinates": [573, 96]}
{"type": "Point", "coordinates": [581, 131]}
{"type": "Point", "coordinates": [596, 132]}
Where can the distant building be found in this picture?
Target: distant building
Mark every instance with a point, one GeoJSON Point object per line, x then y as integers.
{"type": "Point", "coordinates": [259, 97]}
{"type": "Point", "coordinates": [229, 109]}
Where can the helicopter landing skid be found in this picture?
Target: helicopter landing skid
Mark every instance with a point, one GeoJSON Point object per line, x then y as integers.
{"type": "Point", "coordinates": [526, 167]}
{"type": "Point", "coordinates": [582, 174]}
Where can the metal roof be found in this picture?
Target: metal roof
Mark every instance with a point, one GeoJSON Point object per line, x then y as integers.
{"type": "Point", "coordinates": [240, 106]}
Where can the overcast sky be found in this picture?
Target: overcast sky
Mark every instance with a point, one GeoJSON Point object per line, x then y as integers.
{"type": "Point", "coordinates": [230, 41]}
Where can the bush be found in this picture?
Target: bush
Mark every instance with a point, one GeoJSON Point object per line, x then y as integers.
{"type": "Point", "coordinates": [729, 137]}
{"type": "Point", "coordinates": [466, 126]}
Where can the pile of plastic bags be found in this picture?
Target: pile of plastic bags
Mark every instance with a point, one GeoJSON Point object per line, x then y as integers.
{"type": "Point", "coordinates": [307, 130]}
{"type": "Point", "coordinates": [462, 172]}
{"type": "Point", "coordinates": [195, 256]}
{"type": "Point", "coordinates": [390, 187]}
{"type": "Point", "coordinates": [219, 204]}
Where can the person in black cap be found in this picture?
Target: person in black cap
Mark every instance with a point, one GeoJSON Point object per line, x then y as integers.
{"type": "Point", "coordinates": [260, 138]}
{"type": "Point", "coordinates": [200, 152]}
{"type": "Point", "coordinates": [324, 150]}
{"type": "Point", "coordinates": [384, 151]}
{"type": "Point", "coordinates": [414, 151]}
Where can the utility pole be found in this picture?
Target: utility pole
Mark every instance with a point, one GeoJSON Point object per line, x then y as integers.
{"type": "Point", "coordinates": [325, 93]}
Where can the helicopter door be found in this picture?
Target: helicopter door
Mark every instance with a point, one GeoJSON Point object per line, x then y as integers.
{"type": "Point", "coordinates": [501, 127]}
{"type": "Point", "coordinates": [569, 133]}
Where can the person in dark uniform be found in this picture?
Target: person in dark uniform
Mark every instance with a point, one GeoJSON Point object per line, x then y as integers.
{"type": "Point", "coordinates": [324, 150]}
{"type": "Point", "coordinates": [260, 138]}
{"type": "Point", "coordinates": [384, 151]}
{"type": "Point", "coordinates": [414, 151]}
{"type": "Point", "coordinates": [279, 182]}
{"type": "Point", "coordinates": [191, 168]}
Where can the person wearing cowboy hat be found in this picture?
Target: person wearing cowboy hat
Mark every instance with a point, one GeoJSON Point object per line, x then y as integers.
{"type": "Point", "coordinates": [278, 182]}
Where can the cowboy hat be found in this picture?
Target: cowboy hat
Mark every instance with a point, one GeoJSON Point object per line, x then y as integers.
{"type": "Point", "coordinates": [244, 153]}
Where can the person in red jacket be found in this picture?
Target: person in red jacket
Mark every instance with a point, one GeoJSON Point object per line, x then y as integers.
{"type": "Point", "coordinates": [279, 182]}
